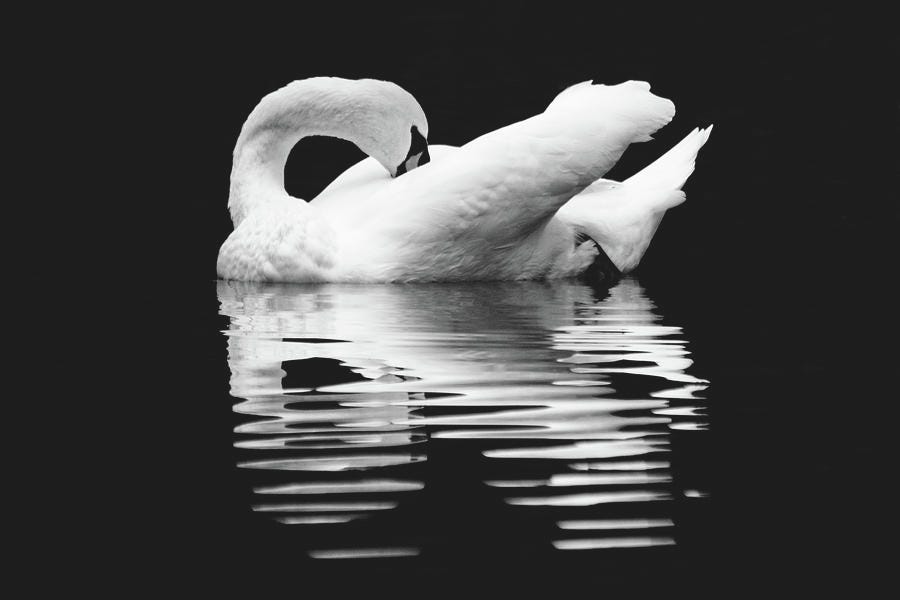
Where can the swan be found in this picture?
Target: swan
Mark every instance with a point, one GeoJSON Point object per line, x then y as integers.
{"type": "Point", "coordinates": [526, 201]}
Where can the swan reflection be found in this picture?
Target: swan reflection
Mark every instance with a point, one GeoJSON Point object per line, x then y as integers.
{"type": "Point", "coordinates": [572, 399]}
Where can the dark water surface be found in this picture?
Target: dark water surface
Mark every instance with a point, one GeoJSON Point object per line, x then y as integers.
{"type": "Point", "coordinates": [550, 434]}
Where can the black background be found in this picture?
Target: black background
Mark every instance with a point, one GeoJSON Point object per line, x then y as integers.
{"type": "Point", "coordinates": [779, 264]}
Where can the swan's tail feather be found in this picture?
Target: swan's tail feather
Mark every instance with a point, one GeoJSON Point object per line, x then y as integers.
{"type": "Point", "coordinates": [622, 217]}
{"type": "Point", "coordinates": [673, 168]}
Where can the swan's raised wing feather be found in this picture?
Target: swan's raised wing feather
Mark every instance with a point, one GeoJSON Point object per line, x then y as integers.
{"type": "Point", "coordinates": [511, 181]}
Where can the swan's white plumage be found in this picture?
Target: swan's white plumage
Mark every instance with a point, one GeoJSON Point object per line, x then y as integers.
{"type": "Point", "coordinates": [511, 204]}
{"type": "Point", "coordinates": [622, 217]}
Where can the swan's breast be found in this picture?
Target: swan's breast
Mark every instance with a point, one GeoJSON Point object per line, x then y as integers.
{"type": "Point", "coordinates": [286, 242]}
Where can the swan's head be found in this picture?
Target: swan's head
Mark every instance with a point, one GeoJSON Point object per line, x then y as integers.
{"type": "Point", "coordinates": [380, 117]}
{"type": "Point", "coordinates": [390, 125]}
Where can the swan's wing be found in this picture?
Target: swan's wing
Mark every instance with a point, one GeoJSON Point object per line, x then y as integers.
{"type": "Point", "coordinates": [511, 181]}
{"type": "Point", "coordinates": [348, 199]}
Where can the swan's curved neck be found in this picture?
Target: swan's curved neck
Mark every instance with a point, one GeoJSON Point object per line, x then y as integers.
{"type": "Point", "coordinates": [257, 172]}
{"type": "Point", "coordinates": [322, 106]}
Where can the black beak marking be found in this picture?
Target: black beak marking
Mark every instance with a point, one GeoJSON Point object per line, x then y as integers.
{"type": "Point", "coordinates": [418, 149]}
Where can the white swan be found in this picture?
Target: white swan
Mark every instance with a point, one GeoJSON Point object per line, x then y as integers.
{"type": "Point", "coordinates": [523, 202]}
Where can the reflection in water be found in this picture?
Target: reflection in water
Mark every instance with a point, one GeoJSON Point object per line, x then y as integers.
{"type": "Point", "coordinates": [572, 401]}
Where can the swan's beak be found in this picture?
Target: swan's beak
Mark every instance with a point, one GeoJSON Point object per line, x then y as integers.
{"type": "Point", "coordinates": [417, 155]}
{"type": "Point", "coordinates": [414, 160]}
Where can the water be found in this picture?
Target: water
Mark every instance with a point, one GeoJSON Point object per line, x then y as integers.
{"type": "Point", "coordinates": [674, 433]}
{"type": "Point", "coordinates": [509, 424]}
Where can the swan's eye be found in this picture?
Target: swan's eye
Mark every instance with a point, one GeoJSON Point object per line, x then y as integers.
{"type": "Point", "coordinates": [418, 152]}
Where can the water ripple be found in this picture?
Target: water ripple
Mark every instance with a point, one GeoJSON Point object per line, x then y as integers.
{"type": "Point", "coordinates": [570, 400]}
